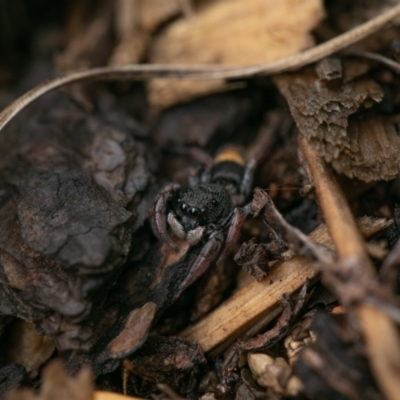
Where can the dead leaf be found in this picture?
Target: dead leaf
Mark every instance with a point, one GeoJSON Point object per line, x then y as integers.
{"type": "Point", "coordinates": [263, 31]}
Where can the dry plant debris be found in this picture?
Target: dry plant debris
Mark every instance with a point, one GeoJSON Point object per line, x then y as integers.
{"type": "Point", "coordinates": [263, 31]}
{"type": "Point", "coordinates": [89, 276]}
{"type": "Point", "coordinates": [364, 146]}
{"type": "Point", "coordinates": [56, 383]}
{"type": "Point", "coordinates": [135, 21]}
{"type": "Point", "coordinates": [259, 300]}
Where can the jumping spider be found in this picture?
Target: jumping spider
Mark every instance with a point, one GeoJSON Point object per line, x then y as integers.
{"type": "Point", "coordinates": [209, 209]}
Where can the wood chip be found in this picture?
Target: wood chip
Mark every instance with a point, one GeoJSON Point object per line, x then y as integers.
{"type": "Point", "coordinates": [374, 152]}
{"type": "Point", "coordinates": [357, 144]}
{"type": "Point", "coordinates": [263, 32]}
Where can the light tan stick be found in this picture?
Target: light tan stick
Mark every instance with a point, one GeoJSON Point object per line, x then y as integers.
{"type": "Point", "coordinates": [379, 331]}
{"type": "Point", "coordinates": [262, 299]}
{"type": "Point", "coordinates": [99, 395]}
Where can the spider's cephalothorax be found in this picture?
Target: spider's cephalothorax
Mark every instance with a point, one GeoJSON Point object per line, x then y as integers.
{"type": "Point", "coordinates": [207, 210]}
{"type": "Point", "coordinates": [204, 204]}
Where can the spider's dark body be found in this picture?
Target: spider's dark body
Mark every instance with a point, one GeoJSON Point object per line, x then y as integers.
{"type": "Point", "coordinates": [204, 204]}
{"type": "Point", "coordinates": [207, 211]}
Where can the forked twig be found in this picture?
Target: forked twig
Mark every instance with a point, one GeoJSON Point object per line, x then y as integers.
{"type": "Point", "coordinates": [380, 334]}
{"type": "Point", "coordinates": [198, 72]}
{"type": "Point", "coordinates": [261, 300]}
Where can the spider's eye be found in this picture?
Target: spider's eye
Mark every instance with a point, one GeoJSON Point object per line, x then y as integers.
{"type": "Point", "coordinates": [183, 206]}
{"type": "Point", "coordinates": [179, 200]}
{"type": "Point", "coordinates": [193, 211]}
{"type": "Point", "coordinates": [214, 202]}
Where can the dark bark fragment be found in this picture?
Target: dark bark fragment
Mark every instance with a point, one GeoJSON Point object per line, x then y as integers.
{"type": "Point", "coordinates": [135, 303]}
{"type": "Point", "coordinates": [67, 188]}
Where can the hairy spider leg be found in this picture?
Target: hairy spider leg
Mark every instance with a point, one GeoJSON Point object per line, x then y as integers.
{"type": "Point", "coordinates": [207, 255]}
{"type": "Point", "coordinates": [158, 214]}
{"type": "Point", "coordinates": [235, 222]}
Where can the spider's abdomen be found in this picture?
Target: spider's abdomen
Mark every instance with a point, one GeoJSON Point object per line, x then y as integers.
{"type": "Point", "coordinates": [228, 169]}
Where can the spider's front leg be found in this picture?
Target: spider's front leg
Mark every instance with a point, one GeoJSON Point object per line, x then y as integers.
{"type": "Point", "coordinates": [159, 214]}
{"type": "Point", "coordinates": [206, 256]}
{"type": "Point", "coordinates": [235, 222]}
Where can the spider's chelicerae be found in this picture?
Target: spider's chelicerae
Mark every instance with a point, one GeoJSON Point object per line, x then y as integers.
{"type": "Point", "coordinates": [209, 209]}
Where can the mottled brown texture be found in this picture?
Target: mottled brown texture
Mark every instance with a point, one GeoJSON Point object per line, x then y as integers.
{"type": "Point", "coordinates": [321, 111]}
{"type": "Point", "coordinates": [66, 228]}
{"type": "Point", "coordinates": [374, 149]}
{"type": "Point", "coordinates": [329, 69]}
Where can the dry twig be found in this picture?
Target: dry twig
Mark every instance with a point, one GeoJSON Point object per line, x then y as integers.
{"type": "Point", "coordinates": [261, 300]}
{"type": "Point", "coordinates": [139, 72]}
{"type": "Point", "coordinates": [353, 261]}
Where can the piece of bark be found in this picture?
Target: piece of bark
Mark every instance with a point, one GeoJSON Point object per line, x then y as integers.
{"type": "Point", "coordinates": [65, 227]}
{"type": "Point", "coordinates": [363, 146]}
{"type": "Point", "coordinates": [263, 32]}
{"type": "Point", "coordinates": [321, 111]}
{"type": "Point", "coordinates": [374, 149]}
{"type": "Point", "coordinates": [261, 299]}
{"type": "Point", "coordinates": [136, 302]}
